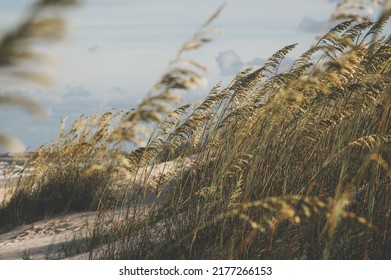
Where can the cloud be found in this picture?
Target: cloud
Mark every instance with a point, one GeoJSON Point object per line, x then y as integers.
{"type": "Point", "coordinates": [230, 63]}
{"type": "Point", "coordinates": [311, 25]}
{"type": "Point", "coordinates": [75, 101]}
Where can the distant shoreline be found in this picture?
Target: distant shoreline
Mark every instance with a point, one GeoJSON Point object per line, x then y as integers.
{"type": "Point", "coordinates": [9, 159]}
{"type": "Point", "coordinates": [5, 161]}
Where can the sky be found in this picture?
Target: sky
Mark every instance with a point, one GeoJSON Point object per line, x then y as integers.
{"type": "Point", "coordinates": [116, 50]}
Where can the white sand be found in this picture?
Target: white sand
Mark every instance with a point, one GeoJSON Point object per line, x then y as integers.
{"type": "Point", "coordinates": [44, 239]}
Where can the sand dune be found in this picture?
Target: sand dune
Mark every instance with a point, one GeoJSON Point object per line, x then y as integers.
{"type": "Point", "coordinates": [47, 239]}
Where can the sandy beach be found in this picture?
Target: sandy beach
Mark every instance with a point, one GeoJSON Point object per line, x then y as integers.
{"type": "Point", "coordinates": [46, 239]}
{"type": "Point", "coordinates": [43, 239]}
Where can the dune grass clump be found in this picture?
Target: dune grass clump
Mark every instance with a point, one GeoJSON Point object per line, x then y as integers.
{"type": "Point", "coordinates": [284, 165]}
{"type": "Point", "coordinates": [57, 179]}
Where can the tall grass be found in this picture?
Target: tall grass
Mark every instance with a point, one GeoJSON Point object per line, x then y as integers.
{"type": "Point", "coordinates": [276, 165]}
{"type": "Point", "coordinates": [291, 165]}
{"type": "Point", "coordinates": [55, 180]}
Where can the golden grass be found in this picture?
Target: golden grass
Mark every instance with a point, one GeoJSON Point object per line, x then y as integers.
{"type": "Point", "coordinates": [279, 165]}
{"type": "Point", "coordinates": [304, 175]}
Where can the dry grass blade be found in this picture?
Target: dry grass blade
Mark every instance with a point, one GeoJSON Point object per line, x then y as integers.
{"type": "Point", "coordinates": [11, 144]}
{"type": "Point", "coordinates": [21, 101]}
{"type": "Point", "coordinates": [176, 77]}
